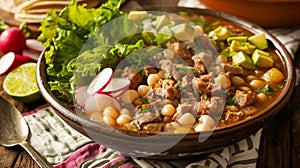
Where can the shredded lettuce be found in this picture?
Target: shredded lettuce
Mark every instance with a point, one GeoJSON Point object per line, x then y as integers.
{"type": "Point", "coordinates": [65, 33]}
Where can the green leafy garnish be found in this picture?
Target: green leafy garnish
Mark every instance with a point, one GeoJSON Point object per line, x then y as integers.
{"type": "Point", "coordinates": [279, 86]}
{"type": "Point", "coordinates": [185, 69]}
{"type": "Point", "coordinates": [3, 26]}
{"type": "Point", "coordinates": [167, 75]}
{"type": "Point", "coordinates": [231, 101]}
{"type": "Point", "coordinates": [266, 90]}
{"type": "Point", "coordinates": [65, 33]}
{"type": "Point", "coordinates": [144, 109]}
{"type": "Point", "coordinates": [205, 96]}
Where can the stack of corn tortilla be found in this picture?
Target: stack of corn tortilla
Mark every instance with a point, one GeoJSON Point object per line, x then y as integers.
{"type": "Point", "coordinates": [34, 11]}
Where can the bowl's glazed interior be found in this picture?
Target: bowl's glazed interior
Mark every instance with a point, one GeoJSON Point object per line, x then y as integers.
{"type": "Point", "coordinates": [266, 13]}
{"type": "Point", "coordinates": [171, 146]}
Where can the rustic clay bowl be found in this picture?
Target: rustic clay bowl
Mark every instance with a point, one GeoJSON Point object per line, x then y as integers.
{"type": "Point", "coordinates": [172, 146]}
{"type": "Point", "coordinates": [266, 13]}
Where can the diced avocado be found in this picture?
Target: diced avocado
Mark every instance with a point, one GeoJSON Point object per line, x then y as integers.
{"type": "Point", "coordinates": [243, 60]}
{"type": "Point", "coordinates": [220, 33]}
{"type": "Point", "coordinates": [183, 31]}
{"type": "Point", "coordinates": [262, 59]}
{"type": "Point", "coordinates": [137, 16]}
{"type": "Point", "coordinates": [237, 38]}
{"type": "Point", "coordinates": [162, 21]}
{"type": "Point", "coordinates": [163, 35]}
{"type": "Point", "coordinates": [259, 40]}
{"type": "Point", "coordinates": [246, 47]}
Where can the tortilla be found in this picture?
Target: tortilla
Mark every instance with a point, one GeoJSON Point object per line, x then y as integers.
{"type": "Point", "coordinates": [34, 11]}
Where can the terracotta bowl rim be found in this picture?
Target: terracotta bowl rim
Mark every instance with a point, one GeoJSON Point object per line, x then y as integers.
{"type": "Point", "coordinates": [264, 116]}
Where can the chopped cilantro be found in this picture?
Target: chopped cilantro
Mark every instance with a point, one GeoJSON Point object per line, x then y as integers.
{"type": "Point", "coordinates": [205, 96]}
{"type": "Point", "coordinates": [185, 69]}
{"type": "Point", "coordinates": [202, 23]}
{"type": "Point", "coordinates": [266, 90]}
{"type": "Point", "coordinates": [279, 86]}
{"type": "Point", "coordinates": [144, 109]}
{"type": "Point", "coordinates": [167, 75]}
{"type": "Point", "coordinates": [231, 101]}
{"type": "Point", "coordinates": [194, 126]}
{"type": "Point", "coordinates": [142, 72]}
{"type": "Point", "coordinates": [144, 100]}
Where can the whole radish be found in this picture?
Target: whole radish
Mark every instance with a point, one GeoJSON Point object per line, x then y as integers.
{"type": "Point", "coordinates": [12, 40]}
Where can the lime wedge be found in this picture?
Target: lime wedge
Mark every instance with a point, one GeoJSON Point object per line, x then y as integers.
{"type": "Point", "coordinates": [21, 83]}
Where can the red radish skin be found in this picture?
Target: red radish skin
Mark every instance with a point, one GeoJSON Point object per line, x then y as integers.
{"type": "Point", "coordinates": [97, 102]}
{"type": "Point", "coordinates": [32, 54]}
{"type": "Point", "coordinates": [12, 40]}
{"type": "Point", "coordinates": [116, 85]}
{"type": "Point", "coordinates": [81, 95]}
{"type": "Point", "coordinates": [11, 60]}
{"type": "Point", "coordinates": [34, 45]}
{"type": "Point", "coordinates": [100, 81]}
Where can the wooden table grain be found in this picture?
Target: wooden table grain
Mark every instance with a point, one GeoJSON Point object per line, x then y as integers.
{"type": "Point", "coordinates": [279, 146]}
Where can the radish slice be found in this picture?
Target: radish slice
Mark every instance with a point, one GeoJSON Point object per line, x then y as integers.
{"type": "Point", "coordinates": [100, 81]}
{"type": "Point", "coordinates": [81, 95]}
{"type": "Point", "coordinates": [116, 85]}
{"type": "Point", "coordinates": [32, 54]}
{"type": "Point", "coordinates": [34, 45]}
{"type": "Point", "coordinates": [11, 60]}
{"type": "Point", "coordinates": [97, 102]}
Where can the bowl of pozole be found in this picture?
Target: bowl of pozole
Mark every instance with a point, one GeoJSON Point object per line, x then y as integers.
{"type": "Point", "coordinates": [166, 82]}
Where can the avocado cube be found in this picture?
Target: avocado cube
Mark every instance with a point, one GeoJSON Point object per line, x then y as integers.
{"type": "Point", "coordinates": [262, 59]}
{"type": "Point", "coordinates": [220, 33]}
{"type": "Point", "coordinates": [237, 46]}
{"type": "Point", "coordinates": [183, 31]}
{"type": "Point", "coordinates": [243, 60]}
{"type": "Point", "coordinates": [259, 40]}
{"type": "Point", "coordinates": [162, 21]}
{"type": "Point", "coordinates": [237, 38]}
{"type": "Point", "coordinates": [137, 16]}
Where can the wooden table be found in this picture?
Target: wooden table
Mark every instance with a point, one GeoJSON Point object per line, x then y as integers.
{"type": "Point", "coordinates": [279, 147]}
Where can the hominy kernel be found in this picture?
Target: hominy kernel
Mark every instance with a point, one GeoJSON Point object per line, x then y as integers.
{"type": "Point", "coordinates": [186, 119]}
{"type": "Point", "coordinates": [96, 116]}
{"type": "Point", "coordinates": [261, 97]}
{"type": "Point", "coordinates": [207, 120]}
{"type": "Point", "coordinates": [202, 127]}
{"type": "Point", "coordinates": [109, 121]}
{"type": "Point", "coordinates": [257, 84]}
{"type": "Point", "coordinates": [123, 119]}
{"type": "Point", "coordinates": [111, 111]}
{"type": "Point", "coordinates": [237, 81]}
{"type": "Point", "coordinates": [250, 77]}
{"type": "Point", "coordinates": [168, 110]}
{"type": "Point", "coordinates": [152, 80]}
{"type": "Point", "coordinates": [129, 96]}
{"type": "Point", "coordinates": [125, 111]}
{"type": "Point", "coordinates": [143, 90]}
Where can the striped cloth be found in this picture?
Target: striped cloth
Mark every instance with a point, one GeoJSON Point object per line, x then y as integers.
{"type": "Point", "coordinates": [64, 147]}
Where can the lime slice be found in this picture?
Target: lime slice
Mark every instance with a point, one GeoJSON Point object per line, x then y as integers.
{"type": "Point", "coordinates": [21, 84]}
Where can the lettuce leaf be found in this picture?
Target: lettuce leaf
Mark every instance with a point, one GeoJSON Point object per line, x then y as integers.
{"type": "Point", "coordinates": [65, 33]}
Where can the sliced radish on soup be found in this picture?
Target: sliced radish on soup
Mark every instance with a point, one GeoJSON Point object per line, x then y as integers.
{"type": "Point", "coordinates": [81, 95]}
{"type": "Point", "coordinates": [100, 81]}
{"type": "Point", "coordinates": [117, 85]}
{"type": "Point", "coordinates": [97, 102]}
